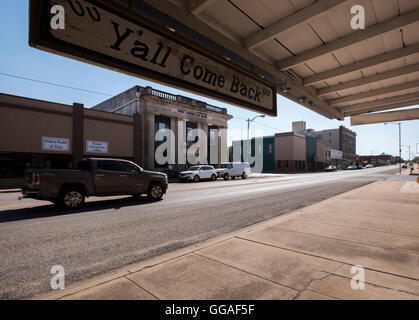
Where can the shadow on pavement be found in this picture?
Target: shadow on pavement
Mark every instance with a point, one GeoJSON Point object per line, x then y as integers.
{"type": "Point", "coordinates": [51, 210]}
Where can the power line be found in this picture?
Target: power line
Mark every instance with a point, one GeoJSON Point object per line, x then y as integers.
{"type": "Point", "coordinates": [100, 93]}
{"type": "Point", "coordinates": [264, 125]}
{"type": "Point", "coordinates": [54, 84]}
{"type": "Point", "coordinates": [261, 124]}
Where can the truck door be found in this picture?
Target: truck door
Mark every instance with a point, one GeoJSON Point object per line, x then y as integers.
{"type": "Point", "coordinates": [133, 178]}
{"type": "Point", "coordinates": [108, 179]}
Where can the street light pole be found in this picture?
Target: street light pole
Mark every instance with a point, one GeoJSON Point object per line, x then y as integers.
{"type": "Point", "coordinates": [248, 130]}
{"type": "Point", "coordinates": [400, 145]}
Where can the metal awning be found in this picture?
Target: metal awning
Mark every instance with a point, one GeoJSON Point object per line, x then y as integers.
{"type": "Point", "coordinates": [307, 47]}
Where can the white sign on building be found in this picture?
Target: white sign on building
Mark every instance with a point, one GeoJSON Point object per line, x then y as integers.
{"type": "Point", "coordinates": [96, 146]}
{"type": "Point", "coordinates": [55, 144]}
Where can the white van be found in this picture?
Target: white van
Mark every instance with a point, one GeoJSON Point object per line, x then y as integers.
{"type": "Point", "coordinates": [233, 170]}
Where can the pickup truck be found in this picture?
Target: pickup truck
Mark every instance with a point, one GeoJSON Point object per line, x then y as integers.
{"type": "Point", "coordinates": [94, 177]}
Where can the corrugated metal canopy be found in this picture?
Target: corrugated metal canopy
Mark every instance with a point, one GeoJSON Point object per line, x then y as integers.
{"type": "Point", "coordinates": [308, 47]}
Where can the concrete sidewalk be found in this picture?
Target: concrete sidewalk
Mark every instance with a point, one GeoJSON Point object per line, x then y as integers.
{"type": "Point", "coordinates": [307, 254]}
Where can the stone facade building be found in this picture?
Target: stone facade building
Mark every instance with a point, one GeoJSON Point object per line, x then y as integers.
{"type": "Point", "coordinates": [161, 110]}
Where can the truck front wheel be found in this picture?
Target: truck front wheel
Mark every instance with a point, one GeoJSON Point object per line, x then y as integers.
{"type": "Point", "coordinates": [155, 192]}
{"type": "Point", "coordinates": [71, 198]}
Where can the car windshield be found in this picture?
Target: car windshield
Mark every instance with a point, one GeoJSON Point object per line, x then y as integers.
{"type": "Point", "coordinates": [224, 166]}
{"type": "Point", "coordinates": [195, 168]}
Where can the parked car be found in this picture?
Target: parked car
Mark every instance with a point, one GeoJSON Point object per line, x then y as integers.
{"type": "Point", "coordinates": [352, 167]}
{"type": "Point", "coordinates": [369, 165]}
{"type": "Point", "coordinates": [94, 177]}
{"type": "Point", "coordinates": [331, 168]}
{"type": "Point", "coordinates": [360, 166]}
{"type": "Point", "coordinates": [197, 173]}
{"type": "Point", "coordinates": [404, 166]}
{"type": "Point", "coordinates": [233, 170]}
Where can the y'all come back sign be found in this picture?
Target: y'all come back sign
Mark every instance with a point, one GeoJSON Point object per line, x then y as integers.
{"type": "Point", "coordinates": [93, 32]}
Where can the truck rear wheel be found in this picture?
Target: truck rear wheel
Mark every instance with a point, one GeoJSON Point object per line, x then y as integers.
{"type": "Point", "coordinates": [71, 198]}
{"type": "Point", "coordinates": [226, 176]}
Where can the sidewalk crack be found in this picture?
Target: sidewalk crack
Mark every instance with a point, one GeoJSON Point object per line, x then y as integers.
{"type": "Point", "coordinates": [136, 284]}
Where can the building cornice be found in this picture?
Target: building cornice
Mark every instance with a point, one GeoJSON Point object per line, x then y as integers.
{"type": "Point", "coordinates": [186, 107]}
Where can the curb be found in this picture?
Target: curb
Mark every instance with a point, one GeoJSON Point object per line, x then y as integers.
{"type": "Point", "coordinates": [10, 190]}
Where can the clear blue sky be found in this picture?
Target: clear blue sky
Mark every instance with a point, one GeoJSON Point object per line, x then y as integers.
{"type": "Point", "coordinates": [17, 58]}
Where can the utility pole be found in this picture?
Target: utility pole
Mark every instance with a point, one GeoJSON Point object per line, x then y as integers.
{"type": "Point", "coordinates": [409, 151]}
{"type": "Point", "coordinates": [248, 130]}
{"type": "Point", "coordinates": [400, 144]}
{"type": "Point", "coordinates": [400, 148]}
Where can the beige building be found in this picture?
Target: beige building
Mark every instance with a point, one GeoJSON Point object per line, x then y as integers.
{"type": "Point", "coordinates": [290, 152]}
{"type": "Point", "coordinates": [42, 134]}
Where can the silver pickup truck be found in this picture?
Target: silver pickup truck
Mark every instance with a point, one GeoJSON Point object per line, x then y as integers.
{"type": "Point", "coordinates": [94, 177]}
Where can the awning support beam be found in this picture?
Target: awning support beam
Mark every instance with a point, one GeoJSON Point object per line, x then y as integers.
{"type": "Point", "coordinates": [401, 115]}
{"type": "Point", "coordinates": [198, 6]}
{"type": "Point", "coordinates": [359, 65]}
{"type": "Point", "coordinates": [370, 79]}
{"type": "Point", "coordinates": [381, 103]}
{"type": "Point", "coordinates": [375, 93]}
{"type": "Point", "coordinates": [351, 39]}
{"type": "Point", "coordinates": [302, 16]}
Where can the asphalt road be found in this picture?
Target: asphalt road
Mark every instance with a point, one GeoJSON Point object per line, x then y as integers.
{"type": "Point", "coordinates": [110, 233]}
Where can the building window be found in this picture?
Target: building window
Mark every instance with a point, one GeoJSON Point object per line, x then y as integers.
{"type": "Point", "coordinates": [212, 135]}
{"type": "Point", "coordinates": [189, 127]}
{"type": "Point", "coordinates": [270, 148]}
{"type": "Point", "coordinates": [160, 123]}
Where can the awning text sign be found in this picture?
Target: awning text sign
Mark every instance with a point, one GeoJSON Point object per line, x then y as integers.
{"type": "Point", "coordinates": [92, 30]}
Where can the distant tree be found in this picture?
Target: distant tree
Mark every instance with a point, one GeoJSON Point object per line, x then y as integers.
{"type": "Point", "coordinates": [398, 160]}
{"type": "Point", "coordinates": [416, 160]}
{"type": "Point", "coordinates": [230, 153]}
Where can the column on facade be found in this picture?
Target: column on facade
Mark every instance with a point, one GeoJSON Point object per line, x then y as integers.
{"type": "Point", "coordinates": [203, 138]}
{"type": "Point", "coordinates": [180, 143]}
{"type": "Point", "coordinates": [174, 129]}
{"type": "Point", "coordinates": [149, 141]}
{"type": "Point", "coordinates": [223, 150]}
